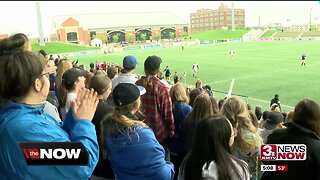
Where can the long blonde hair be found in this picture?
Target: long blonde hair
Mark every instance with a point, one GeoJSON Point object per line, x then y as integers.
{"type": "Point", "coordinates": [121, 121]}
{"type": "Point", "coordinates": [147, 81]}
{"type": "Point", "coordinates": [178, 93]}
{"type": "Point", "coordinates": [201, 108]}
{"type": "Point", "coordinates": [63, 66]}
{"type": "Point", "coordinates": [118, 122]}
{"type": "Point", "coordinates": [236, 110]}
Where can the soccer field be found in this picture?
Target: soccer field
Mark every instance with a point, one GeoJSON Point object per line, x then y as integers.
{"type": "Point", "coordinates": [260, 69]}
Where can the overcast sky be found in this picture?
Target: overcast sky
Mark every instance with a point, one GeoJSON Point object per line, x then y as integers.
{"type": "Point", "coordinates": [19, 16]}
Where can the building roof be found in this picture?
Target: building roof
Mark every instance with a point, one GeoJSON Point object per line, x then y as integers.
{"type": "Point", "coordinates": [120, 20]}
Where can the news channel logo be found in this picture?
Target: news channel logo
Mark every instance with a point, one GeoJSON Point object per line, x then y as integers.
{"type": "Point", "coordinates": [281, 152]}
{"type": "Point", "coordinates": [55, 153]}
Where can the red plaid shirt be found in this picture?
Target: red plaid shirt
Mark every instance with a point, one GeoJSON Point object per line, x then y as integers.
{"type": "Point", "coordinates": [157, 106]}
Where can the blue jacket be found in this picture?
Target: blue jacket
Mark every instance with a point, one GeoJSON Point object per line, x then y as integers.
{"type": "Point", "coordinates": [139, 157]}
{"type": "Point", "coordinates": [21, 122]}
{"type": "Point", "coordinates": [176, 143]}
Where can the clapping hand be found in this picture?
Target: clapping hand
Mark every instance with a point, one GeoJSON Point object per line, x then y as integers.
{"type": "Point", "coordinates": [85, 105]}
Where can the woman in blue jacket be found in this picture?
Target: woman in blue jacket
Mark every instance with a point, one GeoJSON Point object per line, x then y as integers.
{"type": "Point", "coordinates": [180, 109]}
{"type": "Point", "coordinates": [132, 147]}
{"type": "Point", "coordinates": [25, 86]}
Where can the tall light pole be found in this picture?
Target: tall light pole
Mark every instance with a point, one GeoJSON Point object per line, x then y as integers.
{"type": "Point", "coordinates": [232, 16]}
{"type": "Point", "coordinates": [41, 38]}
{"type": "Point", "coordinates": [310, 19]}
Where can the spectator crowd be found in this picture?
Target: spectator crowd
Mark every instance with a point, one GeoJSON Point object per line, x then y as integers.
{"type": "Point", "coordinates": [140, 127]}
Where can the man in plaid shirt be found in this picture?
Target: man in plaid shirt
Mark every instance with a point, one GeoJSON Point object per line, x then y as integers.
{"type": "Point", "coordinates": [156, 102]}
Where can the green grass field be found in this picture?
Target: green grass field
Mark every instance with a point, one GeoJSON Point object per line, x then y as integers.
{"type": "Point", "coordinates": [260, 69]}
{"type": "Point", "coordinates": [54, 47]}
{"type": "Point", "coordinates": [219, 34]}
{"type": "Point", "coordinates": [269, 33]}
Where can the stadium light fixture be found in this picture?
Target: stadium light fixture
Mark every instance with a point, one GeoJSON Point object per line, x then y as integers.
{"type": "Point", "coordinates": [310, 19]}
{"type": "Point", "coordinates": [41, 37]}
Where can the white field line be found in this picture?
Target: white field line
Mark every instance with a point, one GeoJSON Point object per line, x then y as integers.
{"type": "Point", "coordinates": [282, 105]}
{"type": "Point", "coordinates": [248, 77]}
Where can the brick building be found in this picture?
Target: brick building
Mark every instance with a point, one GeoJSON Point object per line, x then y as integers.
{"type": "Point", "coordinates": [2, 36]}
{"type": "Point", "coordinates": [117, 27]}
{"type": "Point", "coordinates": [71, 31]}
{"type": "Point", "coordinates": [209, 19]}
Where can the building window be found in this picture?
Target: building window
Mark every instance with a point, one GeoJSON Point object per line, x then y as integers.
{"type": "Point", "coordinates": [72, 37]}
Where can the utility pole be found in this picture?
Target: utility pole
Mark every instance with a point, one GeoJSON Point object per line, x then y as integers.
{"type": "Point", "coordinates": [41, 38]}
{"type": "Point", "coordinates": [259, 21]}
{"type": "Point", "coordinates": [310, 19]}
{"type": "Point", "coordinates": [232, 16]}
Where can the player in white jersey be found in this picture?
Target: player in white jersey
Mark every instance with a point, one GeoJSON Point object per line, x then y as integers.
{"type": "Point", "coordinates": [195, 68]}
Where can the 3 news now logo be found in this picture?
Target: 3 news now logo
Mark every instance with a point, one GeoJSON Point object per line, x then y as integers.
{"type": "Point", "coordinates": [55, 153]}
{"type": "Point", "coordinates": [281, 152]}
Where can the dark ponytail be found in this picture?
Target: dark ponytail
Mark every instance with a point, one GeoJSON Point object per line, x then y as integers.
{"type": "Point", "coordinates": [10, 45]}
{"type": "Point", "coordinates": [19, 68]}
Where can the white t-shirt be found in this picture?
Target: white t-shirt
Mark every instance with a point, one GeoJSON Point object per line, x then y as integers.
{"type": "Point", "coordinates": [211, 172]}
{"type": "Point", "coordinates": [65, 109]}
{"type": "Point", "coordinates": [122, 78]}
{"type": "Point", "coordinates": [195, 67]}
{"type": "Point", "coordinates": [52, 110]}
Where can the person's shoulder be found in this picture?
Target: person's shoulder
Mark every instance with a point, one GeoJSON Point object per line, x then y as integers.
{"type": "Point", "coordinates": [276, 133]}
{"type": "Point", "coordinates": [144, 132]}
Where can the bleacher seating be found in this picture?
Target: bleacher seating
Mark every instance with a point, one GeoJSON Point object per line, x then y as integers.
{"type": "Point", "coordinates": [287, 34]}
{"type": "Point", "coordinates": [311, 34]}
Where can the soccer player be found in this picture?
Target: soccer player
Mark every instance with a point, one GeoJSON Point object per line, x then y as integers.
{"type": "Point", "coordinates": [195, 68]}
{"type": "Point", "coordinates": [175, 78]}
{"type": "Point", "coordinates": [182, 46]}
{"type": "Point", "coordinates": [232, 54]}
{"type": "Point", "coordinates": [303, 59]}
{"type": "Point", "coordinates": [167, 73]}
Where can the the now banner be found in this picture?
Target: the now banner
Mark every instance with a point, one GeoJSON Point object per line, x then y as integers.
{"type": "Point", "coordinates": [55, 153]}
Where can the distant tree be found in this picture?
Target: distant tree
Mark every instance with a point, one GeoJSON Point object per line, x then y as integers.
{"type": "Point", "coordinates": [101, 36]}
{"type": "Point", "coordinates": [172, 35]}
{"type": "Point", "coordinates": [143, 36]}
{"type": "Point", "coordinates": [115, 38]}
{"type": "Point", "coordinates": [184, 34]}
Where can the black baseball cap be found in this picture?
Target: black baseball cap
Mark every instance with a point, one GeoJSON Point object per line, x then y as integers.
{"type": "Point", "coordinates": [126, 93]}
{"type": "Point", "coordinates": [272, 119]}
{"type": "Point", "coordinates": [152, 63]}
{"type": "Point", "coordinates": [71, 75]}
